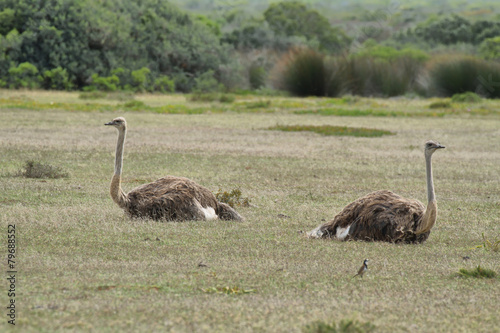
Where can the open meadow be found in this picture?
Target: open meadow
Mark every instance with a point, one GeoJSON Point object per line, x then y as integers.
{"type": "Point", "coordinates": [82, 265]}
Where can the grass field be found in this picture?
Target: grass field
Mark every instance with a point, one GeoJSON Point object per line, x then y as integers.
{"type": "Point", "coordinates": [84, 266]}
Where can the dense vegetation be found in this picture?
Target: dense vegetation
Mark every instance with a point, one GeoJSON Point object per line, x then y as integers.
{"type": "Point", "coordinates": [307, 48]}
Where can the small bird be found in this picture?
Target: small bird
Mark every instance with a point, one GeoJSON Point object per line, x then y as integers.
{"type": "Point", "coordinates": [363, 269]}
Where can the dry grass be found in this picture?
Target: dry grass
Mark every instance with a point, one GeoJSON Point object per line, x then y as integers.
{"type": "Point", "coordinates": [84, 266]}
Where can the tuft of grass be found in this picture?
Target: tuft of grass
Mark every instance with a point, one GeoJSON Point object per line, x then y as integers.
{"type": "Point", "coordinates": [440, 105]}
{"type": "Point", "coordinates": [93, 95]}
{"type": "Point", "coordinates": [33, 169]}
{"type": "Point", "coordinates": [334, 130]}
{"type": "Point", "coordinates": [477, 272]}
{"type": "Point", "coordinates": [134, 105]}
{"type": "Point", "coordinates": [227, 290]}
{"type": "Point", "coordinates": [467, 97]}
{"type": "Point", "coordinates": [259, 104]}
{"type": "Point", "coordinates": [225, 98]}
{"type": "Point", "coordinates": [344, 326]}
{"type": "Point", "coordinates": [232, 198]}
{"type": "Point", "coordinates": [489, 245]}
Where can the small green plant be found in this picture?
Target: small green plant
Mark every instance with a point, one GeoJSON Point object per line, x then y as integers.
{"type": "Point", "coordinates": [344, 326]}
{"type": "Point", "coordinates": [489, 245]}
{"type": "Point", "coordinates": [232, 198]}
{"type": "Point", "coordinates": [334, 130]}
{"type": "Point", "coordinates": [477, 272]}
{"type": "Point", "coordinates": [440, 105]}
{"type": "Point", "coordinates": [466, 97]}
{"type": "Point", "coordinates": [34, 169]}
{"type": "Point", "coordinates": [227, 290]}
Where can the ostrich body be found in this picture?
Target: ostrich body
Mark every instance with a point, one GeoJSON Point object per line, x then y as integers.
{"type": "Point", "coordinates": [169, 198]}
{"type": "Point", "coordinates": [386, 216]}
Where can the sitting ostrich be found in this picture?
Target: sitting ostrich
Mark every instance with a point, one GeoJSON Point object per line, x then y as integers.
{"type": "Point", "coordinates": [386, 216]}
{"type": "Point", "coordinates": [169, 198]}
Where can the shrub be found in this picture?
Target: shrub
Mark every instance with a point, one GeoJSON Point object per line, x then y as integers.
{"type": "Point", "coordinates": [164, 84]}
{"type": "Point", "coordinates": [460, 74]}
{"type": "Point", "coordinates": [57, 79]}
{"type": "Point", "coordinates": [310, 73]}
{"type": "Point", "coordinates": [24, 76]}
{"type": "Point", "coordinates": [34, 169]}
{"type": "Point", "coordinates": [384, 71]}
{"type": "Point", "coordinates": [467, 97]}
{"type": "Point", "coordinates": [140, 79]}
{"type": "Point", "coordinates": [490, 48]}
{"type": "Point", "coordinates": [100, 83]}
{"type": "Point", "coordinates": [206, 82]}
{"type": "Point", "coordinates": [232, 198]}
{"type": "Point", "coordinates": [257, 76]}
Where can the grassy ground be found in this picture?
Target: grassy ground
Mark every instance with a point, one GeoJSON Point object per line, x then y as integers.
{"type": "Point", "coordinates": [84, 266]}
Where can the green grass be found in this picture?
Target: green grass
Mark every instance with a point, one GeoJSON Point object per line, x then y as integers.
{"type": "Point", "coordinates": [334, 130]}
{"type": "Point", "coordinates": [84, 266]}
{"type": "Point", "coordinates": [477, 272]}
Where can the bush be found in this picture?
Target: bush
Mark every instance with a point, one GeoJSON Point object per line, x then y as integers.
{"type": "Point", "coordinates": [109, 83]}
{"type": "Point", "coordinates": [440, 105]}
{"type": "Point", "coordinates": [140, 79]}
{"type": "Point", "coordinates": [164, 84]}
{"type": "Point", "coordinates": [34, 169]}
{"type": "Point", "coordinates": [257, 76]}
{"type": "Point", "coordinates": [460, 74]}
{"type": "Point", "coordinates": [206, 82]}
{"type": "Point", "coordinates": [24, 76]}
{"type": "Point", "coordinates": [309, 73]}
{"type": "Point", "coordinates": [490, 48]}
{"type": "Point", "coordinates": [467, 97]}
{"type": "Point", "coordinates": [57, 79]}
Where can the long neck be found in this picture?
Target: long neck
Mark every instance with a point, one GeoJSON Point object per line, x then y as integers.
{"type": "Point", "coordinates": [116, 191]}
{"type": "Point", "coordinates": [431, 212]}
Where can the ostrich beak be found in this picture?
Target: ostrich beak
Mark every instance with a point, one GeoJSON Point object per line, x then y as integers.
{"type": "Point", "coordinates": [440, 146]}
{"type": "Point", "coordinates": [109, 124]}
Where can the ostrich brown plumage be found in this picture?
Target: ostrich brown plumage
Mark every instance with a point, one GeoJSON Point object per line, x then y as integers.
{"type": "Point", "coordinates": [169, 198]}
{"type": "Point", "coordinates": [386, 216]}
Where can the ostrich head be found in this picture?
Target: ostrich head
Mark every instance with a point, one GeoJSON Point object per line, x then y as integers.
{"type": "Point", "coordinates": [119, 123]}
{"type": "Point", "coordinates": [431, 147]}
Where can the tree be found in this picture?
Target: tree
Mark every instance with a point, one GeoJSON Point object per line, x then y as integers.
{"type": "Point", "coordinates": [295, 19]}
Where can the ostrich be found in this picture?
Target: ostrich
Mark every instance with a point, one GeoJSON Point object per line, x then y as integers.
{"type": "Point", "coordinates": [169, 198]}
{"type": "Point", "coordinates": [386, 216]}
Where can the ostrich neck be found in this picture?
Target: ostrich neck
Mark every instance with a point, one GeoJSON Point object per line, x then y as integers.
{"type": "Point", "coordinates": [119, 151]}
{"type": "Point", "coordinates": [430, 214]}
{"type": "Point", "coordinates": [430, 183]}
{"type": "Point", "coordinates": [116, 191]}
